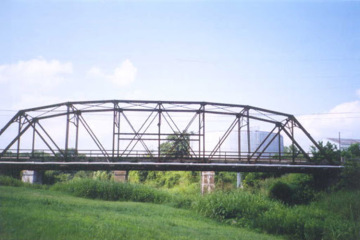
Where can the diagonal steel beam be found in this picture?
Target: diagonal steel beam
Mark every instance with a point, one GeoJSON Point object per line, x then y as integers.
{"type": "Point", "coordinates": [13, 119]}
{"type": "Point", "coordinates": [35, 120]}
{"type": "Point", "coordinates": [223, 138]}
{"type": "Point", "coordinates": [42, 138]}
{"type": "Point", "coordinates": [93, 136]}
{"type": "Point", "coordinates": [47, 134]}
{"type": "Point", "coordinates": [267, 145]}
{"type": "Point", "coordinates": [179, 131]}
{"type": "Point", "coordinates": [136, 134]}
{"type": "Point", "coordinates": [142, 134]}
{"type": "Point", "coordinates": [15, 139]}
{"type": "Point", "coordinates": [296, 143]}
{"type": "Point", "coordinates": [309, 137]}
{"type": "Point", "coordinates": [262, 143]}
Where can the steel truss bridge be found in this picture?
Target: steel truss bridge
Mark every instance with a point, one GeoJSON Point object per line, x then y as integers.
{"type": "Point", "coordinates": [132, 135]}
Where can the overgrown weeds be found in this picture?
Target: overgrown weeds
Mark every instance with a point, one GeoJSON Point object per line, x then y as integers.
{"type": "Point", "coordinates": [113, 191]}
{"type": "Point", "coordinates": [318, 220]}
{"type": "Point", "coordinates": [10, 181]}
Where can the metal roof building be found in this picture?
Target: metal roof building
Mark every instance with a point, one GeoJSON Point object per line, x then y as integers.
{"type": "Point", "coordinates": [343, 143]}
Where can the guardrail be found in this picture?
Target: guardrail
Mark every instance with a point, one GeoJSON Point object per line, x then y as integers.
{"type": "Point", "coordinates": [44, 155]}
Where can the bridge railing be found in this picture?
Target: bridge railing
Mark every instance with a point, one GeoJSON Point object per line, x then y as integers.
{"type": "Point", "coordinates": [44, 155]}
{"type": "Point", "coordinates": [147, 125]}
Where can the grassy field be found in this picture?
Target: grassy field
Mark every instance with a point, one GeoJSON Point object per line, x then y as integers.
{"type": "Point", "coordinates": [27, 213]}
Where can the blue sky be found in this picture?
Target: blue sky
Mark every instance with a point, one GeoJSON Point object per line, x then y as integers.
{"type": "Point", "coordinates": [299, 57]}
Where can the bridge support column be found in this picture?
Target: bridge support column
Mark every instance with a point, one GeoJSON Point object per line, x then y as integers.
{"type": "Point", "coordinates": [239, 180]}
{"type": "Point", "coordinates": [121, 176]}
{"type": "Point", "coordinates": [32, 176]}
{"type": "Point", "coordinates": [207, 182]}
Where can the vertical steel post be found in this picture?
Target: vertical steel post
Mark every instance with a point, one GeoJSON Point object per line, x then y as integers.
{"type": "Point", "coordinates": [118, 133]}
{"type": "Point", "coordinates": [77, 135]}
{"type": "Point", "coordinates": [248, 135]}
{"type": "Point", "coordinates": [33, 140]}
{"type": "Point", "coordinates": [159, 130]}
{"type": "Point", "coordinates": [114, 125]}
{"type": "Point", "coordinates": [199, 135]}
{"type": "Point", "coordinates": [279, 144]}
{"type": "Point", "coordinates": [204, 138]}
{"type": "Point", "coordinates": [67, 131]}
{"type": "Point", "coordinates": [293, 144]}
{"type": "Point", "coordinates": [239, 137]}
{"type": "Point", "coordinates": [18, 141]}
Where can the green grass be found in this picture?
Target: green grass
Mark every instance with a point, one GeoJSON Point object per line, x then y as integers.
{"type": "Point", "coordinates": [27, 213]}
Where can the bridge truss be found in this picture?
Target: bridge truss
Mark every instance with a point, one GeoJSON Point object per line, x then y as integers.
{"type": "Point", "coordinates": [116, 131]}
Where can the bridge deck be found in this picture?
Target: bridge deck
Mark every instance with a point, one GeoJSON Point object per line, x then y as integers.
{"type": "Point", "coordinates": [267, 165]}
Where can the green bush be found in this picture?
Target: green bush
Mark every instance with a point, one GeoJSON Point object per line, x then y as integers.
{"type": "Point", "coordinates": [281, 191]}
{"type": "Point", "coordinates": [238, 205]}
{"type": "Point", "coordinates": [254, 179]}
{"type": "Point", "coordinates": [13, 182]}
{"type": "Point", "coordinates": [51, 177]}
{"type": "Point", "coordinates": [164, 179]}
{"type": "Point", "coordinates": [350, 175]}
{"type": "Point", "coordinates": [10, 181]}
{"type": "Point", "coordinates": [291, 189]}
{"type": "Point", "coordinates": [11, 173]}
{"type": "Point", "coordinates": [326, 219]}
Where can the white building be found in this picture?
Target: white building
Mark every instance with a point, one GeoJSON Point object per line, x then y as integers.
{"type": "Point", "coordinates": [256, 138]}
{"type": "Point", "coordinates": [342, 143]}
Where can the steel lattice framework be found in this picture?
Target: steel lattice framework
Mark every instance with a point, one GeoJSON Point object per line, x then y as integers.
{"type": "Point", "coordinates": [135, 127]}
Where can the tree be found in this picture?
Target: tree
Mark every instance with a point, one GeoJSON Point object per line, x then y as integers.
{"type": "Point", "coordinates": [291, 151]}
{"type": "Point", "coordinates": [176, 146]}
{"type": "Point", "coordinates": [327, 152]}
{"type": "Point", "coordinates": [352, 152]}
{"type": "Point", "coordinates": [350, 174]}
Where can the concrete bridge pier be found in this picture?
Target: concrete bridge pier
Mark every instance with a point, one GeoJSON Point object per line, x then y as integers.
{"type": "Point", "coordinates": [32, 177]}
{"type": "Point", "coordinates": [239, 180]}
{"type": "Point", "coordinates": [207, 182]}
{"type": "Point", "coordinates": [121, 176]}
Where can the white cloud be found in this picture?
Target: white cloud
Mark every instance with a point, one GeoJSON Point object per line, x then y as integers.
{"type": "Point", "coordinates": [121, 76]}
{"type": "Point", "coordinates": [124, 74]}
{"type": "Point", "coordinates": [95, 72]}
{"type": "Point", "coordinates": [343, 118]}
{"type": "Point", "coordinates": [34, 75]}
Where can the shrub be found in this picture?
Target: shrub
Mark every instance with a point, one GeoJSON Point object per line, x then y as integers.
{"type": "Point", "coordinates": [101, 175]}
{"type": "Point", "coordinates": [244, 207]}
{"type": "Point", "coordinates": [350, 175]}
{"type": "Point", "coordinates": [11, 173]}
{"type": "Point", "coordinates": [281, 191]}
{"type": "Point", "coordinates": [254, 179]}
{"type": "Point", "coordinates": [290, 189]}
{"type": "Point", "coordinates": [13, 182]}
{"type": "Point", "coordinates": [164, 179]}
{"type": "Point", "coordinates": [51, 177]}
{"type": "Point", "coordinates": [334, 216]}
{"type": "Point", "coordinates": [10, 181]}
{"type": "Point", "coordinates": [303, 186]}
